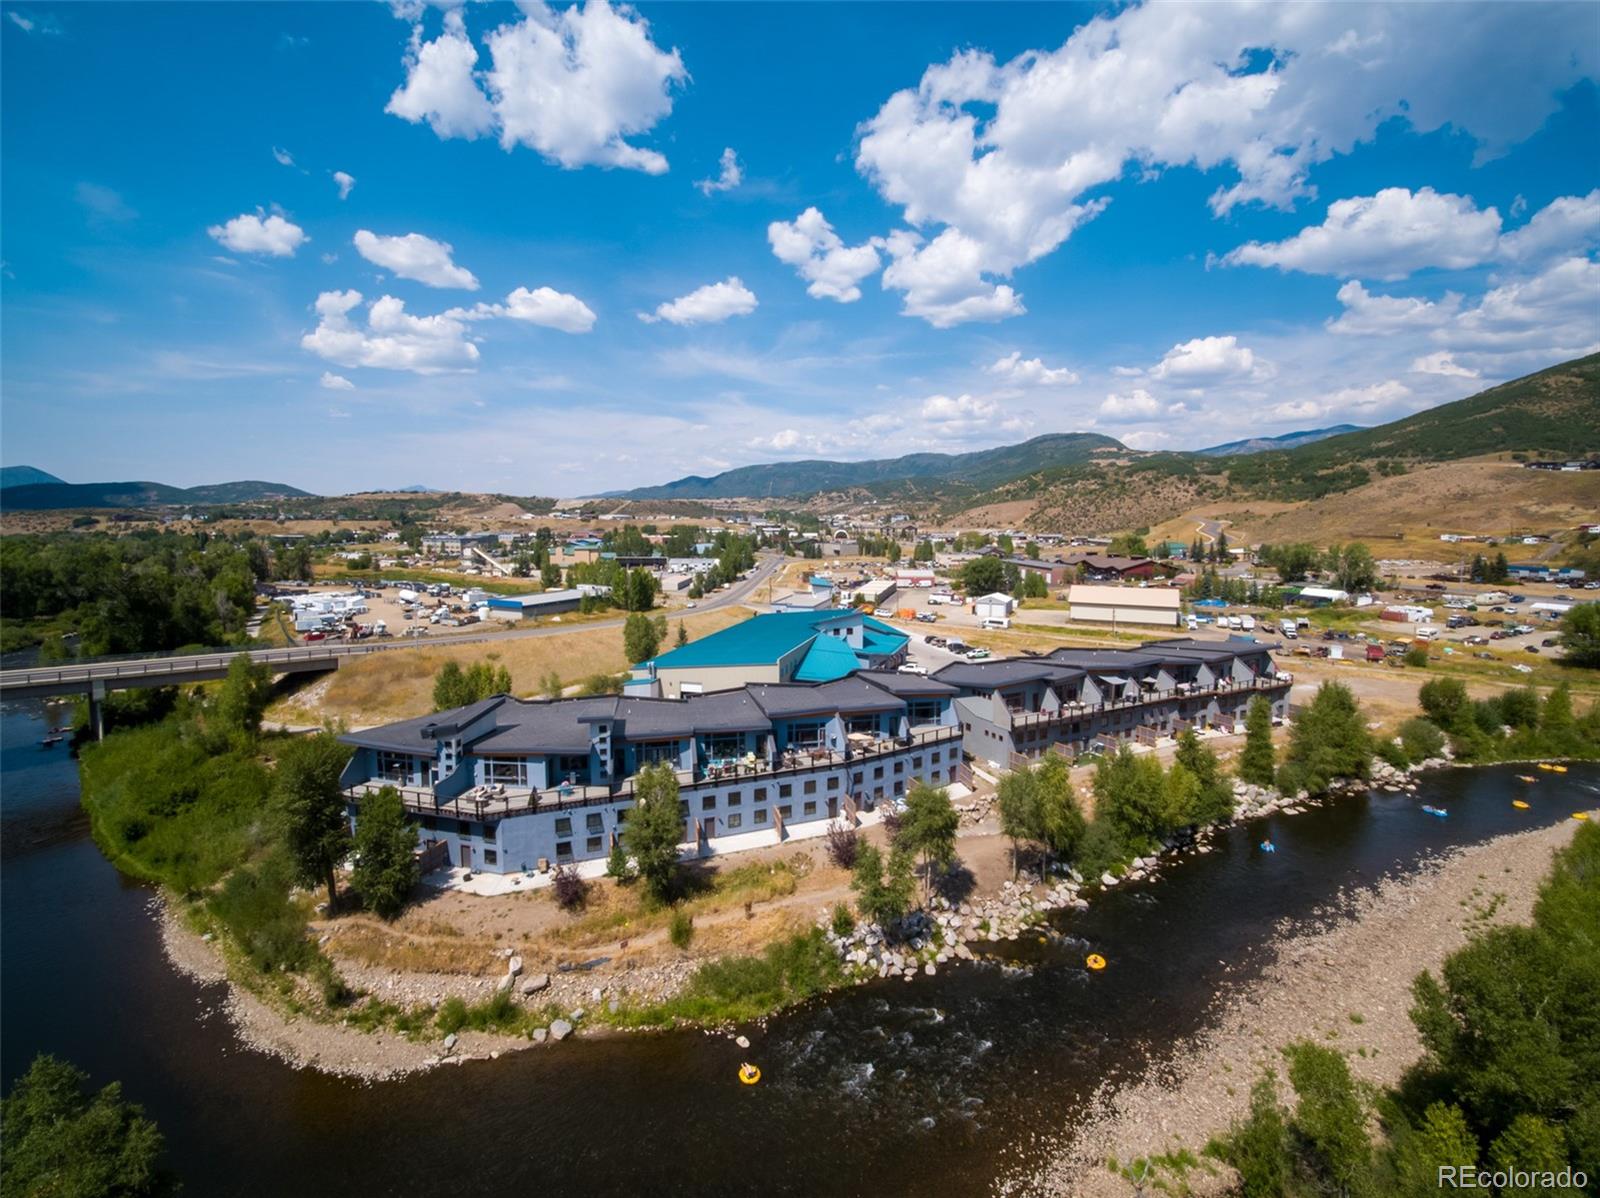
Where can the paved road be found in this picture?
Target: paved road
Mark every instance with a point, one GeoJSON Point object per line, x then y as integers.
{"type": "Point", "coordinates": [162, 671]}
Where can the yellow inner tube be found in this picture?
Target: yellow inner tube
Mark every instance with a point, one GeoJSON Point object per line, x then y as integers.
{"type": "Point", "coordinates": [1580, 815]}
{"type": "Point", "coordinates": [1095, 961]}
{"type": "Point", "coordinates": [1519, 804]}
{"type": "Point", "coordinates": [749, 1074]}
{"type": "Point", "coordinates": [1526, 778]}
{"type": "Point", "coordinates": [1545, 765]}
{"type": "Point", "coordinates": [1560, 769]}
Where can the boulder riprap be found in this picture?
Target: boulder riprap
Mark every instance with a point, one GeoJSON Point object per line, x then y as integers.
{"type": "Point", "coordinates": [538, 982]}
{"type": "Point", "coordinates": [560, 1029]}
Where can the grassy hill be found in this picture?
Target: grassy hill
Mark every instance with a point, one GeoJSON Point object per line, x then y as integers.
{"type": "Point", "coordinates": [1282, 441]}
{"type": "Point", "coordinates": [45, 496]}
{"type": "Point", "coordinates": [1554, 412]}
{"type": "Point", "coordinates": [987, 467]}
{"type": "Point", "coordinates": [22, 476]}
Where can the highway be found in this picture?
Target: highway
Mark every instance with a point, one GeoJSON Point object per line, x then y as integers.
{"type": "Point", "coordinates": [103, 675]}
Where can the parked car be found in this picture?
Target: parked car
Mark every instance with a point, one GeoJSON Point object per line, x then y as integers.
{"type": "Point", "coordinates": [977, 654]}
{"type": "Point", "coordinates": [936, 641]}
{"type": "Point", "coordinates": [1550, 642]}
{"type": "Point", "coordinates": [1531, 648]}
{"type": "Point", "coordinates": [912, 667]}
{"type": "Point", "coordinates": [314, 636]}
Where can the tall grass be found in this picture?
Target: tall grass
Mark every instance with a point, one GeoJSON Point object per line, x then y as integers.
{"type": "Point", "coordinates": [738, 989]}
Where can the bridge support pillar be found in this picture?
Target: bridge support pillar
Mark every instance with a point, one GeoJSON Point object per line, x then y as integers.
{"type": "Point", "coordinates": [97, 709]}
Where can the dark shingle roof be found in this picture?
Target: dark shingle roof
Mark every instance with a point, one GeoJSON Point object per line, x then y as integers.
{"type": "Point", "coordinates": [907, 685]}
{"type": "Point", "coordinates": [780, 699]}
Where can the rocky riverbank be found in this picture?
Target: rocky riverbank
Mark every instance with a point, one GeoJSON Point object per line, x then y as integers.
{"type": "Point", "coordinates": [1346, 984]}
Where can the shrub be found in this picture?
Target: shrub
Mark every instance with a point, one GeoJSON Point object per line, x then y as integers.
{"type": "Point", "coordinates": [1417, 657]}
{"type": "Point", "coordinates": [891, 821]}
{"type": "Point", "coordinates": [618, 865]}
{"type": "Point", "coordinates": [1393, 753]}
{"type": "Point", "coordinates": [743, 988]}
{"type": "Point", "coordinates": [842, 845]}
{"type": "Point", "coordinates": [1328, 740]}
{"type": "Point", "coordinates": [253, 904]}
{"type": "Point", "coordinates": [1258, 1147]}
{"type": "Point", "coordinates": [386, 863]}
{"type": "Point", "coordinates": [1421, 738]}
{"type": "Point", "coordinates": [844, 922]}
{"type": "Point", "coordinates": [680, 930]}
{"type": "Point", "coordinates": [569, 889]}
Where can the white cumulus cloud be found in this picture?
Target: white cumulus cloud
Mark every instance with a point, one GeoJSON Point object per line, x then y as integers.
{"type": "Point", "coordinates": [1388, 236]}
{"type": "Point", "coordinates": [1007, 155]}
{"type": "Point", "coordinates": [711, 304]}
{"type": "Point", "coordinates": [336, 382]}
{"type": "Point", "coordinates": [1018, 369]}
{"type": "Point", "coordinates": [415, 257]}
{"type": "Point", "coordinates": [345, 182]}
{"type": "Point", "coordinates": [544, 306]}
{"type": "Point", "coordinates": [392, 339]}
{"type": "Point", "coordinates": [1365, 313]}
{"type": "Point", "coordinates": [1442, 363]}
{"type": "Point", "coordinates": [1568, 225]}
{"type": "Point", "coordinates": [1208, 360]}
{"type": "Point", "coordinates": [730, 174]}
{"type": "Point", "coordinates": [573, 85]}
{"type": "Point", "coordinates": [832, 269]}
{"type": "Point", "coordinates": [254, 233]}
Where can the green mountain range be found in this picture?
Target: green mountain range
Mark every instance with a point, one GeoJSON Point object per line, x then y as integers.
{"type": "Point", "coordinates": [22, 476]}
{"type": "Point", "coordinates": [42, 496]}
{"type": "Point", "coordinates": [1282, 441]}
{"type": "Point", "coordinates": [986, 467]}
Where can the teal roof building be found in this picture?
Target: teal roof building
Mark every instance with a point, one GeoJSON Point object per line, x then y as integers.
{"type": "Point", "coordinates": [789, 646]}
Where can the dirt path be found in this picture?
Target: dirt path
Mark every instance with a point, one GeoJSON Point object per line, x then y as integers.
{"type": "Point", "coordinates": [1347, 985]}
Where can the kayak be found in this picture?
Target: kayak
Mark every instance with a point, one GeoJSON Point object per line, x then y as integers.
{"type": "Point", "coordinates": [1439, 811]}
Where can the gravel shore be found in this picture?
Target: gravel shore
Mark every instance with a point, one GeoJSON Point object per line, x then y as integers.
{"type": "Point", "coordinates": [1347, 984]}
{"type": "Point", "coordinates": [309, 1043]}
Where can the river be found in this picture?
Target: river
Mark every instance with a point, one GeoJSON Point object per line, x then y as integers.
{"type": "Point", "coordinates": [930, 1087]}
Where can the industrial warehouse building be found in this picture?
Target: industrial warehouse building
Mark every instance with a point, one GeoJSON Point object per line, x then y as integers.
{"type": "Point", "coordinates": [1123, 605]}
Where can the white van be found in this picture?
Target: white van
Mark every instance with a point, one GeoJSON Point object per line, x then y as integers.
{"type": "Point", "coordinates": [1248, 623]}
{"type": "Point", "coordinates": [1192, 623]}
{"type": "Point", "coordinates": [997, 622]}
{"type": "Point", "coordinates": [1235, 623]}
{"type": "Point", "coordinates": [1427, 634]}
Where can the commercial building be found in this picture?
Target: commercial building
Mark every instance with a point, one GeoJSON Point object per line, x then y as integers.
{"type": "Point", "coordinates": [785, 646]}
{"type": "Point", "coordinates": [508, 785]}
{"type": "Point", "coordinates": [456, 544]}
{"type": "Point", "coordinates": [544, 603]}
{"type": "Point", "coordinates": [914, 576]}
{"type": "Point", "coordinates": [874, 592]}
{"type": "Point", "coordinates": [1014, 709]}
{"type": "Point", "coordinates": [1123, 605]}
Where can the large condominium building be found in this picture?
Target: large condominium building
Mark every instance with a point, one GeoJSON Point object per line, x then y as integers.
{"type": "Point", "coordinates": [508, 785]}
{"type": "Point", "coordinates": [1081, 699]}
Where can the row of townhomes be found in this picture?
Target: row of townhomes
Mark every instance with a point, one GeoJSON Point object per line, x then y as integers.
{"type": "Point", "coordinates": [510, 785]}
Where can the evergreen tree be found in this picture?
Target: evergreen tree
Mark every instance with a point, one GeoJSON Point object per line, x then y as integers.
{"type": "Point", "coordinates": [1328, 740]}
{"type": "Point", "coordinates": [1214, 797]}
{"type": "Point", "coordinates": [640, 641]}
{"type": "Point", "coordinates": [1258, 762]}
{"type": "Point", "coordinates": [386, 868]}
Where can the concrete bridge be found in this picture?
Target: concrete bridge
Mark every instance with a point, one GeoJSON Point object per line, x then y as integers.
{"type": "Point", "coordinates": [98, 678]}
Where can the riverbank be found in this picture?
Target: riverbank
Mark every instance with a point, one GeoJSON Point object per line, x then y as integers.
{"type": "Point", "coordinates": [1345, 983]}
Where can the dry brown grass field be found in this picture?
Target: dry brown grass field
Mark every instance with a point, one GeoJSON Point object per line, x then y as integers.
{"type": "Point", "coordinates": [399, 684]}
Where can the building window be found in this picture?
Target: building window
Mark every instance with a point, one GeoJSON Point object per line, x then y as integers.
{"type": "Point", "coordinates": [786, 810]}
{"type": "Point", "coordinates": [563, 825]}
{"type": "Point", "coordinates": [899, 786]}
{"type": "Point", "coordinates": [683, 808]}
{"type": "Point", "coordinates": [878, 772]}
{"type": "Point", "coordinates": [833, 782]}
{"type": "Point", "coordinates": [809, 808]}
{"type": "Point", "coordinates": [810, 786]}
{"type": "Point", "coordinates": [759, 794]}
{"type": "Point", "coordinates": [491, 857]}
{"type": "Point", "coordinates": [656, 753]}
{"type": "Point", "coordinates": [785, 790]}
{"type": "Point", "coordinates": [592, 845]}
{"type": "Point", "coordinates": [593, 822]}
{"type": "Point", "coordinates": [621, 817]}
{"type": "Point", "coordinates": [855, 778]}
{"type": "Point", "coordinates": [900, 766]}
{"type": "Point", "coordinates": [759, 815]}
{"type": "Point", "coordinates": [506, 771]}
{"type": "Point", "coordinates": [733, 798]}
{"type": "Point", "coordinates": [563, 850]}
{"type": "Point", "coordinates": [735, 820]}
{"type": "Point", "coordinates": [916, 763]}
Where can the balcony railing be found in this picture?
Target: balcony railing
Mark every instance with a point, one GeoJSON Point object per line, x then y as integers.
{"type": "Point", "coordinates": [497, 802]}
{"type": "Point", "coordinates": [1078, 711]}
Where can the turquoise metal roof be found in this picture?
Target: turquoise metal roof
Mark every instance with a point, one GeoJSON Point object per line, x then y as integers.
{"type": "Point", "coordinates": [827, 659]}
{"type": "Point", "coordinates": [762, 640]}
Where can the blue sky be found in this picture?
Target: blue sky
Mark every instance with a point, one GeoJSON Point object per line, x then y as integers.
{"type": "Point", "coordinates": [567, 250]}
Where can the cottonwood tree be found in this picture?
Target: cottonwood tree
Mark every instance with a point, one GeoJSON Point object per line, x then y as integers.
{"type": "Point", "coordinates": [386, 868]}
{"type": "Point", "coordinates": [928, 829]}
{"type": "Point", "coordinates": [640, 639]}
{"type": "Point", "coordinates": [1214, 798]}
{"type": "Point", "coordinates": [62, 1140]}
{"type": "Point", "coordinates": [1328, 740]}
{"type": "Point", "coordinates": [242, 699]}
{"type": "Point", "coordinates": [654, 829]}
{"type": "Point", "coordinates": [312, 808]}
{"type": "Point", "coordinates": [883, 898]}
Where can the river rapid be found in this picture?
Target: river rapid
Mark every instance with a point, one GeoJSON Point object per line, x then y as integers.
{"type": "Point", "coordinates": [934, 1086]}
